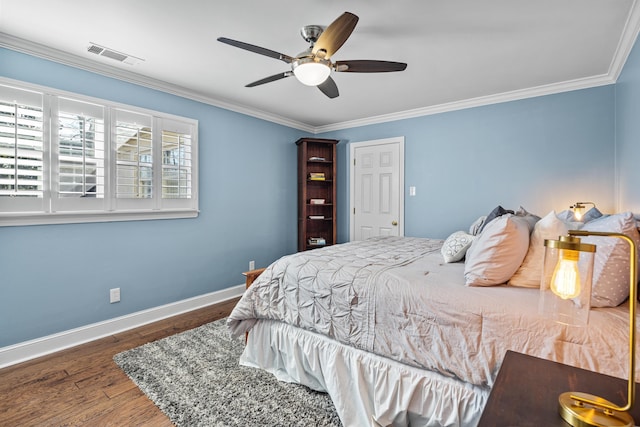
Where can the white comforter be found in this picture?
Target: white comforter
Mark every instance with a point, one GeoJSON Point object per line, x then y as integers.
{"type": "Point", "coordinates": [397, 298]}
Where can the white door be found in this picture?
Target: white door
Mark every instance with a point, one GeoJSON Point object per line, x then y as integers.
{"type": "Point", "coordinates": [377, 183]}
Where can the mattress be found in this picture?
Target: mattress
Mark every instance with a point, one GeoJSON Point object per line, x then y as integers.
{"type": "Point", "coordinates": [396, 298]}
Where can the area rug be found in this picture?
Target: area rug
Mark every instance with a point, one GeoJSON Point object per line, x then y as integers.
{"type": "Point", "coordinates": [195, 379]}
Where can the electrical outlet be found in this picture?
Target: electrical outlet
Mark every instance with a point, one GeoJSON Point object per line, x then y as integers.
{"type": "Point", "coordinates": [114, 295]}
{"type": "Point", "coordinates": [252, 265]}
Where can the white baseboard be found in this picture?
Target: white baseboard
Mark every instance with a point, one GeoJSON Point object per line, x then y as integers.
{"type": "Point", "coordinates": [32, 349]}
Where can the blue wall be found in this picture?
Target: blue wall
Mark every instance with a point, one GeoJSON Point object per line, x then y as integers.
{"type": "Point", "coordinates": [628, 133]}
{"type": "Point", "coordinates": [541, 153]}
{"type": "Point", "coordinates": [57, 277]}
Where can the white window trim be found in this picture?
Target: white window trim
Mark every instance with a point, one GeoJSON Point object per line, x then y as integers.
{"type": "Point", "coordinates": [110, 213]}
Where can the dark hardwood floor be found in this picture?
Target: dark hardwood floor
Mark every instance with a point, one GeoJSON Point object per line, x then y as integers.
{"type": "Point", "coordinates": [83, 386]}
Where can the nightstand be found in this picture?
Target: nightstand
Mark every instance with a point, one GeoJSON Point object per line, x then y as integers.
{"type": "Point", "coordinates": [527, 388]}
{"type": "Point", "coordinates": [251, 276]}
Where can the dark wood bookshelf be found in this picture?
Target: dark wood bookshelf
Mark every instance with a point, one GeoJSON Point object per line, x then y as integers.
{"type": "Point", "coordinates": [308, 149]}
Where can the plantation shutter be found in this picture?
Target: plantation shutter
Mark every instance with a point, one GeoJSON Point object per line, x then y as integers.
{"type": "Point", "coordinates": [134, 160]}
{"type": "Point", "coordinates": [68, 158]}
{"type": "Point", "coordinates": [79, 158]}
{"type": "Point", "coordinates": [22, 166]}
{"type": "Point", "coordinates": [177, 163]}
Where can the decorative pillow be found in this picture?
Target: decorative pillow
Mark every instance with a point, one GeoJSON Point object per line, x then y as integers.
{"type": "Point", "coordinates": [611, 264]}
{"type": "Point", "coordinates": [495, 255]}
{"type": "Point", "coordinates": [566, 215]}
{"type": "Point", "coordinates": [569, 219]}
{"type": "Point", "coordinates": [456, 246]}
{"type": "Point", "coordinates": [591, 214]}
{"type": "Point", "coordinates": [530, 272]}
{"type": "Point", "coordinates": [477, 225]}
{"type": "Point", "coordinates": [498, 211]}
{"type": "Point", "coordinates": [529, 217]}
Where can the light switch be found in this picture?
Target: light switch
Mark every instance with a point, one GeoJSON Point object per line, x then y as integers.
{"type": "Point", "coordinates": [412, 191]}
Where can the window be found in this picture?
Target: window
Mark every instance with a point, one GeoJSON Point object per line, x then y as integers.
{"type": "Point", "coordinates": [67, 158]}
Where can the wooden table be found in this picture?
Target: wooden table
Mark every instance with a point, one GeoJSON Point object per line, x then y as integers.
{"type": "Point", "coordinates": [251, 276]}
{"type": "Point", "coordinates": [527, 388]}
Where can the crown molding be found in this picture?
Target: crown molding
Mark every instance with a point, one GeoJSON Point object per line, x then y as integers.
{"type": "Point", "coordinates": [627, 41]}
{"type": "Point", "coordinates": [625, 45]}
{"type": "Point", "coordinates": [515, 95]}
{"type": "Point", "coordinates": [55, 55]}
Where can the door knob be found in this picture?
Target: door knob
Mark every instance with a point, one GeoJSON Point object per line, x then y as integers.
{"type": "Point", "coordinates": [394, 222]}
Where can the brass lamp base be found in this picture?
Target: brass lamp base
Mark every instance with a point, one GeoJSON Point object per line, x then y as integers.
{"type": "Point", "coordinates": [580, 414]}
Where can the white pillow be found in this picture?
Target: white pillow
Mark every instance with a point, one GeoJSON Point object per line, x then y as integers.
{"type": "Point", "coordinates": [495, 255]}
{"type": "Point", "coordinates": [530, 272]}
{"type": "Point", "coordinates": [611, 264]}
{"type": "Point", "coordinates": [456, 245]}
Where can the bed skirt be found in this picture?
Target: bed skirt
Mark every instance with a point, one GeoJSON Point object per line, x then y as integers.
{"type": "Point", "coordinates": [367, 389]}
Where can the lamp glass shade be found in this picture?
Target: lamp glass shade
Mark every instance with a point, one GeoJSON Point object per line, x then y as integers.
{"type": "Point", "coordinates": [312, 73]}
{"type": "Point", "coordinates": [565, 287]}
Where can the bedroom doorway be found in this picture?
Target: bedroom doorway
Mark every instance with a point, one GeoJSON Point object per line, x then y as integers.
{"type": "Point", "coordinates": [376, 182]}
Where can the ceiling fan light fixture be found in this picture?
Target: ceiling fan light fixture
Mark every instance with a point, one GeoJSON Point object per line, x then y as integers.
{"type": "Point", "coordinates": [313, 66]}
{"type": "Point", "coordinates": [310, 72]}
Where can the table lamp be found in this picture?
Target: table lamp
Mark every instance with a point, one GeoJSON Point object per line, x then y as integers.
{"type": "Point", "coordinates": [565, 292]}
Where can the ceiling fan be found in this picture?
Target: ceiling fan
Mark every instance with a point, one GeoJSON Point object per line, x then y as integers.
{"type": "Point", "coordinates": [313, 66]}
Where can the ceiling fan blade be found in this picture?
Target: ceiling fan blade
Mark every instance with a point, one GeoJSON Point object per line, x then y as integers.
{"type": "Point", "coordinates": [334, 36]}
{"type": "Point", "coordinates": [367, 66]}
{"type": "Point", "coordinates": [257, 49]}
{"type": "Point", "coordinates": [329, 88]}
{"type": "Point", "coordinates": [271, 79]}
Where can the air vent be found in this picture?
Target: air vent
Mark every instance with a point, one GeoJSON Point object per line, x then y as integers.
{"type": "Point", "coordinates": [113, 54]}
{"type": "Point", "coordinates": [95, 49]}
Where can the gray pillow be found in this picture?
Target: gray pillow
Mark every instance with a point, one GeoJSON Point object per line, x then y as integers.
{"type": "Point", "coordinates": [568, 215]}
{"type": "Point", "coordinates": [477, 225]}
{"type": "Point", "coordinates": [495, 213]}
{"type": "Point", "coordinates": [591, 214]}
{"type": "Point", "coordinates": [529, 217]}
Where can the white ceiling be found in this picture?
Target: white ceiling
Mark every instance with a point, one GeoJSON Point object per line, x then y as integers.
{"type": "Point", "coordinates": [459, 52]}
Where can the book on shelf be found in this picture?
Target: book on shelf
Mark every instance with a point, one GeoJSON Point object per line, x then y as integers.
{"type": "Point", "coordinates": [316, 216]}
{"type": "Point", "coordinates": [318, 241]}
{"type": "Point", "coordinates": [316, 201]}
{"type": "Point", "coordinates": [317, 159]}
{"type": "Point", "coordinates": [316, 176]}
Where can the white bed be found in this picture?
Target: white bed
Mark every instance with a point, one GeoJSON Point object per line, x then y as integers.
{"type": "Point", "coordinates": [395, 336]}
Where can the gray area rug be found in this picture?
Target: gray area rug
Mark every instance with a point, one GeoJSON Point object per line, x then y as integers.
{"type": "Point", "coordinates": [195, 379]}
